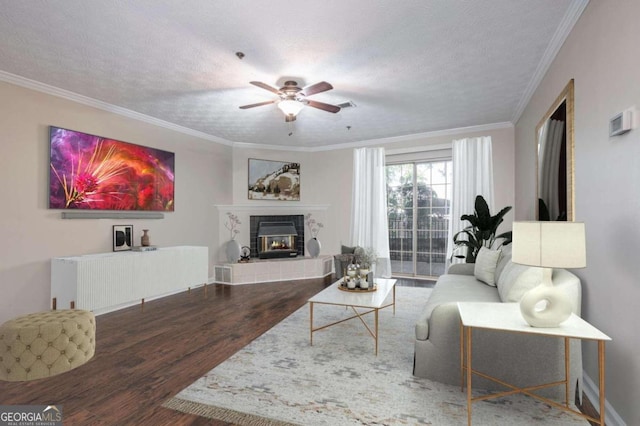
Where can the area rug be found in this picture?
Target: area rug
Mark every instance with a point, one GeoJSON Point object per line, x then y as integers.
{"type": "Point", "coordinates": [279, 379]}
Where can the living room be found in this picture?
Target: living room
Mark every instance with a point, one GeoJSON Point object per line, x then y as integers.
{"type": "Point", "coordinates": [211, 172]}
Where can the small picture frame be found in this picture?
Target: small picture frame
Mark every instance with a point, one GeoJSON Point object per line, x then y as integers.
{"type": "Point", "coordinates": [122, 237]}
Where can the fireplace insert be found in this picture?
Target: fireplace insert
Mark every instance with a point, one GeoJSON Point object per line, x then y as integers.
{"type": "Point", "coordinates": [276, 240]}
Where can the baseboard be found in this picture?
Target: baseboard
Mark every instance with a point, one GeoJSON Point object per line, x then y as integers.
{"type": "Point", "coordinates": [611, 416]}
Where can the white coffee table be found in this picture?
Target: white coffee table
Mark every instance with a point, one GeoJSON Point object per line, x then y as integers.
{"type": "Point", "coordinates": [373, 301]}
{"type": "Point", "coordinates": [507, 317]}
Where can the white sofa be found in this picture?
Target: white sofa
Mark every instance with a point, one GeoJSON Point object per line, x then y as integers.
{"type": "Point", "coordinates": [519, 359]}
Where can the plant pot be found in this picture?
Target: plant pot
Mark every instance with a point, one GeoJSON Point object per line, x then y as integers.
{"type": "Point", "coordinates": [233, 250]}
{"type": "Point", "coordinates": [313, 247]}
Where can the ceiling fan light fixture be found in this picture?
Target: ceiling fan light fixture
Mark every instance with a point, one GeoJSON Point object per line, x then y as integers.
{"type": "Point", "coordinates": [290, 107]}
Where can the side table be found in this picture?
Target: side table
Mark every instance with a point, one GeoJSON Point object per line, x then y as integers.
{"type": "Point", "coordinates": [506, 317]}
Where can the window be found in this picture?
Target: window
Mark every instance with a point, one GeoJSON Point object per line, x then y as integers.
{"type": "Point", "coordinates": [418, 208]}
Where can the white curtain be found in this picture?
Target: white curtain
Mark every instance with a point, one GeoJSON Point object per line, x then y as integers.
{"type": "Point", "coordinates": [549, 163]}
{"type": "Point", "coordinates": [472, 176]}
{"type": "Point", "coordinates": [369, 226]}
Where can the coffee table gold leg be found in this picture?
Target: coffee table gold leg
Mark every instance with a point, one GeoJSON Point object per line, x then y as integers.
{"type": "Point", "coordinates": [376, 315]}
{"type": "Point", "coordinates": [394, 300]}
{"type": "Point", "coordinates": [311, 322]}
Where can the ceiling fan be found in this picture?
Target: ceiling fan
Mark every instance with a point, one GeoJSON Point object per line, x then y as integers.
{"type": "Point", "coordinates": [292, 98]}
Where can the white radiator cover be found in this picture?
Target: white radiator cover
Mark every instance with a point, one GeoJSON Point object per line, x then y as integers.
{"type": "Point", "coordinates": [109, 281]}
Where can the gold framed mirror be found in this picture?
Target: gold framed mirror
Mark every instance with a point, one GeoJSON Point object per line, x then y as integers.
{"type": "Point", "coordinates": [554, 160]}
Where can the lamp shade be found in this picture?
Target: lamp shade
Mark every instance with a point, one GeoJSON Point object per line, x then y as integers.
{"type": "Point", "coordinates": [549, 244]}
{"type": "Point", "coordinates": [290, 107]}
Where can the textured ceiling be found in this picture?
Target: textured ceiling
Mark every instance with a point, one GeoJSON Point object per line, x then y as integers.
{"type": "Point", "coordinates": [411, 67]}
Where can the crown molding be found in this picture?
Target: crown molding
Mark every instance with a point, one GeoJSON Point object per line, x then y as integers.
{"type": "Point", "coordinates": [564, 29]}
{"type": "Point", "coordinates": [85, 100]}
{"type": "Point", "coordinates": [417, 136]}
{"type": "Point", "coordinates": [382, 141]}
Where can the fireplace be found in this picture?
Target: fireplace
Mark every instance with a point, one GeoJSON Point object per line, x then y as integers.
{"type": "Point", "coordinates": [276, 236]}
{"type": "Point", "coordinates": [277, 239]}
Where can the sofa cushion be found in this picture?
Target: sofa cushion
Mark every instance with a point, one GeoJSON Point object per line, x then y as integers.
{"type": "Point", "coordinates": [452, 289]}
{"type": "Point", "coordinates": [485, 266]}
{"type": "Point", "coordinates": [515, 280]}
{"type": "Point", "coordinates": [505, 259]}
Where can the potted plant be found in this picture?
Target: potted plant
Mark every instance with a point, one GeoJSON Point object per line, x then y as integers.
{"type": "Point", "coordinates": [482, 231]}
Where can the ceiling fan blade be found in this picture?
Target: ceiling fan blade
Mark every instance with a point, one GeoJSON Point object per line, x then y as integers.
{"type": "Point", "coordinates": [258, 104]}
{"type": "Point", "coordinates": [323, 106]}
{"type": "Point", "coordinates": [265, 87]}
{"type": "Point", "coordinates": [312, 89]}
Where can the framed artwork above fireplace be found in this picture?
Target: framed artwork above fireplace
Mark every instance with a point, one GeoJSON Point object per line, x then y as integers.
{"type": "Point", "coordinates": [274, 180]}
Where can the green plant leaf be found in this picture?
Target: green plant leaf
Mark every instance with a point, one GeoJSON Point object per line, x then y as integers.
{"type": "Point", "coordinates": [482, 229]}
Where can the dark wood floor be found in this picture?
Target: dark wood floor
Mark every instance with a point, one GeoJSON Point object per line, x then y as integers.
{"type": "Point", "coordinates": [144, 358]}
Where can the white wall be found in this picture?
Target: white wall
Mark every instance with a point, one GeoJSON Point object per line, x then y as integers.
{"type": "Point", "coordinates": [327, 176]}
{"type": "Point", "coordinates": [601, 55]}
{"type": "Point", "coordinates": [32, 234]}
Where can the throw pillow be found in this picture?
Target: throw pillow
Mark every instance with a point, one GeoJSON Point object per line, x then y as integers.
{"type": "Point", "coordinates": [505, 258]}
{"type": "Point", "coordinates": [485, 268]}
{"type": "Point", "coordinates": [516, 280]}
{"type": "Point", "coordinates": [348, 250]}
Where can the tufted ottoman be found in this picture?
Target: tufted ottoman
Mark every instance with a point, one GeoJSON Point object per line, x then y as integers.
{"type": "Point", "coordinates": [44, 344]}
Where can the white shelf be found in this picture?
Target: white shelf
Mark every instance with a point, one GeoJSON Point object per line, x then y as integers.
{"type": "Point", "coordinates": [107, 282]}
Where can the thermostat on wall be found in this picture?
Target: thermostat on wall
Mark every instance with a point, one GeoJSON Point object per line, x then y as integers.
{"type": "Point", "coordinates": [620, 123]}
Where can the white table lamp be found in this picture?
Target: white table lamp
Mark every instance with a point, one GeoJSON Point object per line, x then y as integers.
{"type": "Point", "coordinates": [548, 245]}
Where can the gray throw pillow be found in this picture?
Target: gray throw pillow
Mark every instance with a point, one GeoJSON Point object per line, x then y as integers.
{"type": "Point", "coordinates": [348, 250]}
{"type": "Point", "coordinates": [485, 268]}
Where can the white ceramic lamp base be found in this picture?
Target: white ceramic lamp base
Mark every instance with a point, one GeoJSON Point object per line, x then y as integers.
{"type": "Point", "coordinates": [545, 305]}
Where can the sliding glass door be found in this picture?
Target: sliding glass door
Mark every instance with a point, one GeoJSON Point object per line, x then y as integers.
{"type": "Point", "coordinates": [418, 203]}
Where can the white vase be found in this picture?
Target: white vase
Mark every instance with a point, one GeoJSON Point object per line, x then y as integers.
{"type": "Point", "coordinates": [313, 247]}
{"type": "Point", "coordinates": [545, 305]}
{"type": "Point", "coordinates": [232, 249]}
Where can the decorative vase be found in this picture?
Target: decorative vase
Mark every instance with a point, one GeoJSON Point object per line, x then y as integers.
{"type": "Point", "coordinates": [313, 247]}
{"type": "Point", "coordinates": [144, 240]}
{"type": "Point", "coordinates": [364, 272]}
{"type": "Point", "coordinates": [233, 251]}
{"type": "Point", "coordinates": [545, 305]}
{"type": "Point", "coordinates": [352, 271]}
